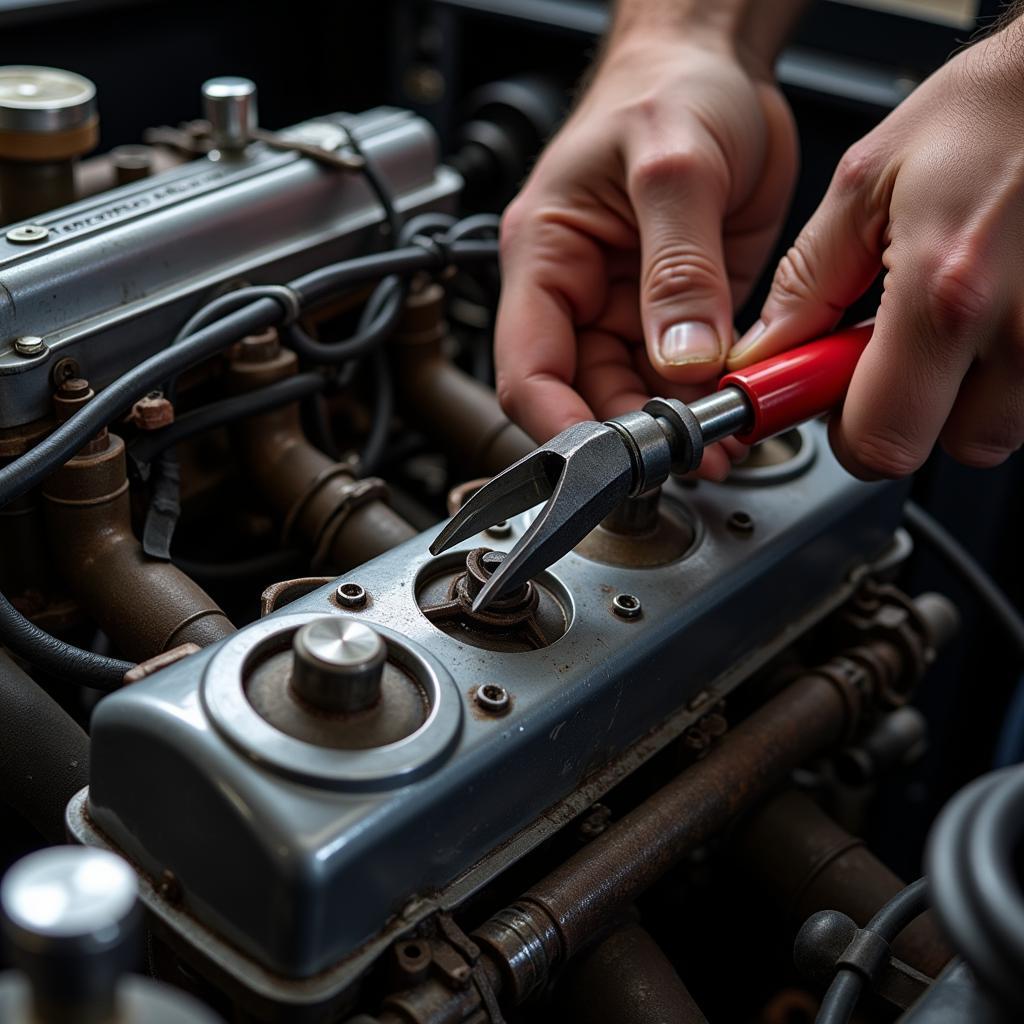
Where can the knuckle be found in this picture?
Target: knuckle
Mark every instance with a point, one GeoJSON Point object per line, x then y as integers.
{"type": "Point", "coordinates": [507, 394]}
{"type": "Point", "coordinates": [657, 171]}
{"type": "Point", "coordinates": [513, 220]}
{"type": "Point", "coordinates": [678, 271]}
{"type": "Point", "coordinates": [884, 452]}
{"type": "Point", "coordinates": [856, 171]}
{"type": "Point", "coordinates": [958, 293]}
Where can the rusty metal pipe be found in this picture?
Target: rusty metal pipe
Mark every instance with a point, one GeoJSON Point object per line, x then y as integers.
{"type": "Point", "coordinates": [344, 520]}
{"type": "Point", "coordinates": [144, 606]}
{"type": "Point", "coordinates": [458, 412]}
{"type": "Point", "coordinates": [557, 917]}
{"type": "Point", "coordinates": [627, 979]}
{"type": "Point", "coordinates": [808, 862]}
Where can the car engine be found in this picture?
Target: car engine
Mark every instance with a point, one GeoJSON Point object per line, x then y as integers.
{"type": "Point", "coordinates": [262, 759]}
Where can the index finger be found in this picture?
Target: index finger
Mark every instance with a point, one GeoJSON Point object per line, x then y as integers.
{"type": "Point", "coordinates": [553, 278]}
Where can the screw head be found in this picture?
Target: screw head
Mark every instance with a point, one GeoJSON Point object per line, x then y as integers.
{"type": "Point", "coordinates": [500, 530]}
{"type": "Point", "coordinates": [627, 606]}
{"type": "Point", "coordinates": [28, 234]}
{"type": "Point", "coordinates": [740, 522]}
{"type": "Point", "coordinates": [29, 345]}
{"type": "Point", "coordinates": [351, 595]}
{"type": "Point", "coordinates": [494, 699]}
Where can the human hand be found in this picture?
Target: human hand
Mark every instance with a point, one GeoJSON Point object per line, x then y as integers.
{"type": "Point", "coordinates": [649, 216]}
{"type": "Point", "coordinates": [935, 196]}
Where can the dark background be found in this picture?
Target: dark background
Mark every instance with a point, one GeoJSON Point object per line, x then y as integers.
{"type": "Point", "coordinates": [847, 68]}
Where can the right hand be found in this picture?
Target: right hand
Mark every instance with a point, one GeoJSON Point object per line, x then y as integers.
{"type": "Point", "coordinates": [643, 226]}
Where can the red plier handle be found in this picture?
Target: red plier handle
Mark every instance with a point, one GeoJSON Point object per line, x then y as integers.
{"type": "Point", "coordinates": [799, 384]}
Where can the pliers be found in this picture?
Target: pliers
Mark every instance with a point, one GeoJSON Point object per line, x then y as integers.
{"type": "Point", "coordinates": [585, 471]}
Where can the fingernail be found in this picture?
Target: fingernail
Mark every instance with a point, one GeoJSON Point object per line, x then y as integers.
{"type": "Point", "coordinates": [748, 339]}
{"type": "Point", "coordinates": [689, 343]}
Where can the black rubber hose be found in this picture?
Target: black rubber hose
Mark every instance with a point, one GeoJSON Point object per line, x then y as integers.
{"type": "Point", "coordinates": [29, 470]}
{"type": "Point", "coordinates": [44, 753]}
{"type": "Point", "coordinates": [146, 447]}
{"type": "Point", "coordinates": [842, 996]}
{"type": "Point", "coordinates": [966, 567]}
{"type": "Point", "coordinates": [266, 566]}
{"type": "Point", "coordinates": [973, 859]}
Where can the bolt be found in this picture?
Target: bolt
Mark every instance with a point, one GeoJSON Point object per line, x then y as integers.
{"type": "Point", "coordinates": [169, 887]}
{"type": "Point", "coordinates": [152, 412]}
{"type": "Point", "coordinates": [351, 595]}
{"type": "Point", "coordinates": [29, 345]}
{"type": "Point", "coordinates": [64, 369]}
{"type": "Point", "coordinates": [494, 699]}
{"type": "Point", "coordinates": [259, 348]}
{"type": "Point", "coordinates": [627, 606]}
{"type": "Point", "coordinates": [500, 529]}
{"type": "Point", "coordinates": [740, 522]}
{"type": "Point", "coordinates": [28, 234]}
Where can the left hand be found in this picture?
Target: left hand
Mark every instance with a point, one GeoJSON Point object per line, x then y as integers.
{"type": "Point", "coordinates": [935, 195]}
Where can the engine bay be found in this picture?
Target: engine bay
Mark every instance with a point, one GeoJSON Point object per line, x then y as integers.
{"type": "Point", "coordinates": [245, 378]}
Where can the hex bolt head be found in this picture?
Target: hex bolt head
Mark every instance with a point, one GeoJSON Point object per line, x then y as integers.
{"type": "Point", "coordinates": [338, 664]}
{"type": "Point", "coordinates": [29, 345]}
{"type": "Point", "coordinates": [492, 698]}
{"type": "Point", "coordinates": [351, 595]}
{"type": "Point", "coordinates": [627, 606]}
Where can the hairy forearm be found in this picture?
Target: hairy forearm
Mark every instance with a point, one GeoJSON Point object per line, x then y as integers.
{"type": "Point", "coordinates": [756, 28]}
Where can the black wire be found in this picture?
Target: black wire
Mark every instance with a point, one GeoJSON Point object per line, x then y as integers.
{"type": "Point", "coordinates": [972, 855]}
{"type": "Point", "coordinates": [265, 566]}
{"type": "Point", "coordinates": [843, 994]}
{"type": "Point", "coordinates": [966, 567]}
{"type": "Point", "coordinates": [74, 664]}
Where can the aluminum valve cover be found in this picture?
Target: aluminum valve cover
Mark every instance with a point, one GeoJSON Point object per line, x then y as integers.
{"type": "Point", "coordinates": [115, 276]}
{"type": "Point", "coordinates": [297, 855]}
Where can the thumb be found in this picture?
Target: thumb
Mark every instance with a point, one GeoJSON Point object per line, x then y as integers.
{"type": "Point", "coordinates": [831, 264]}
{"type": "Point", "coordinates": [685, 303]}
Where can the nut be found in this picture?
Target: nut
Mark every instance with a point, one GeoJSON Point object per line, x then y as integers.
{"type": "Point", "coordinates": [152, 412]}
{"type": "Point", "coordinates": [351, 595]}
{"type": "Point", "coordinates": [627, 606]}
{"type": "Point", "coordinates": [501, 529]}
{"type": "Point", "coordinates": [494, 699]}
{"type": "Point", "coordinates": [29, 345]}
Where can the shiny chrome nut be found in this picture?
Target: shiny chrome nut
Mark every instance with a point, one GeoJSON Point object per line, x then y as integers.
{"type": "Point", "coordinates": [494, 699]}
{"type": "Point", "coordinates": [627, 606]}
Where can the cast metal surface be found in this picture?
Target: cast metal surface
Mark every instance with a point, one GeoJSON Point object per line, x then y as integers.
{"type": "Point", "coordinates": [578, 703]}
{"type": "Point", "coordinates": [320, 503]}
{"type": "Point", "coordinates": [139, 260]}
{"type": "Point", "coordinates": [145, 606]}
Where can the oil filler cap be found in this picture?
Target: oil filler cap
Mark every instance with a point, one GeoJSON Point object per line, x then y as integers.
{"type": "Point", "coordinates": [338, 664]}
{"type": "Point", "coordinates": [46, 113]}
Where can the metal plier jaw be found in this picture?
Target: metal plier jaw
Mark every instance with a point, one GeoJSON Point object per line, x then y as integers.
{"type": "Point", "coordinates": [582, 473]}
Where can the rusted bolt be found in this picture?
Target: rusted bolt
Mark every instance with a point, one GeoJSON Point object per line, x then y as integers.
{"type": "Point", "coordinates": [259, 348]}
{"type": "Point", "coordinates": [494, 699]}
{"type": "Point", "coordinates": [351, 595]}
{"type": "Point", "coordinates": [169, 888]}
{"type": "Point", "coordinates": [627, 606]}
{"type": "Point", "coordinates": [29, 345]}
{"type": "Point", "coordinates": [152, 412]}
{"type": "Point", "coordinates": [594, 822]}
{"type": "Point", "coordinates": [64, 369]}
{"type": "Point", "coordinates": [740, 522]}
{"type": "Point", "coordinates": [413, 956]}
{"type": "Point", "coordinates": [500, 529]}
